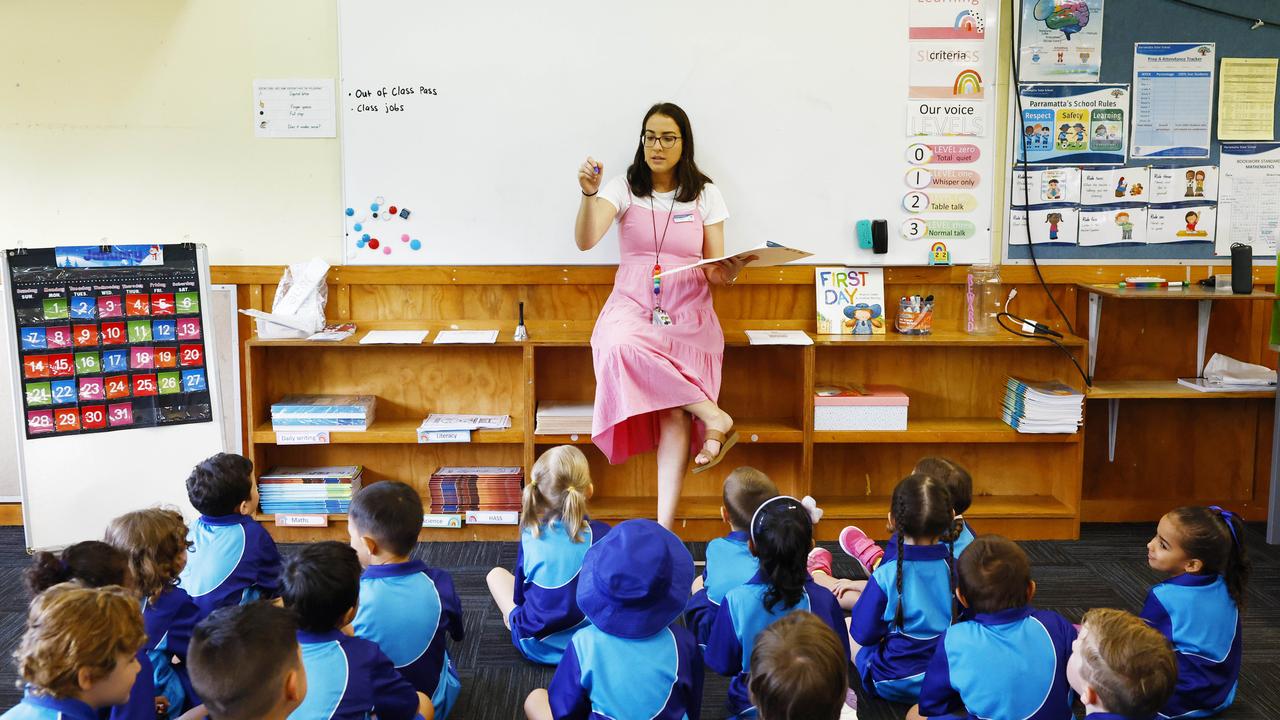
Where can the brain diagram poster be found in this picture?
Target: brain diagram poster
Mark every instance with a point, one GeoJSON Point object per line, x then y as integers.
{"type": "Point", "coordinates": [1061, 41]}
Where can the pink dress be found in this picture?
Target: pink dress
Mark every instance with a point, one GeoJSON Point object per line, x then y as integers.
{"type": "Point", "coordinates": [642, 368]}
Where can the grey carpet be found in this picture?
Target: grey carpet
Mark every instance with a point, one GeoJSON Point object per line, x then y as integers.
{"type": "Point", "coordinates": [1106, 567]}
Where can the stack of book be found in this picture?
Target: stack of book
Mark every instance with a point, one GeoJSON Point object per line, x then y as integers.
{"type": "Point", "coordinates": [332, 413]}
{"type": "Point", "coordinates": [483, 494]}
{"type": "Point", "coordinates": [308, 490]}
{"type": "Point", "coordinates": [1042, 406]}
{"type": "Point", "coordinates": [439, 428]}
{"type": "Point", "coordinates": [563, 418]}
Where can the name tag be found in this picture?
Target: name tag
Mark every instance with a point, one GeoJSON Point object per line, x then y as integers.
{"type": "Point", "coordinates": [687, 217]}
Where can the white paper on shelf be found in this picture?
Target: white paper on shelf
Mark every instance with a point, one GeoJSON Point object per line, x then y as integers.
{"type": "Point", "coordinates": [778, 337]}
{"type": "Point", "coordinates": [466, 337]}
{"type": "Point", "coordinates": [394, 337]}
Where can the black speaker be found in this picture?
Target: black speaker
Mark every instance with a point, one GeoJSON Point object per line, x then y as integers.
{"type": "Point", "coordinates": [1241, 269]}
{"type": "Point", "coordinates": [879, 236]}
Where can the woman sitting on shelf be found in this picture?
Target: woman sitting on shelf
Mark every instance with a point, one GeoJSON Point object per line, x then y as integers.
{"type": "Point", "coordinates": [657, 345]}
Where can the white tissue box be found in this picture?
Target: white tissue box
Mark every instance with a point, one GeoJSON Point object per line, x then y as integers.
{"type": "Point", "coordinates": [881, 407]}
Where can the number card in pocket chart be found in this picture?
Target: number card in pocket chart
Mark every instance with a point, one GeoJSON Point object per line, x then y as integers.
{"type": "Point", "coordinates": [109, 338]}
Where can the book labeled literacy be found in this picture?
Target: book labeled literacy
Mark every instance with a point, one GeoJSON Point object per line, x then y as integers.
{"type": "Point", "coordinates": [850, 301]}
{"type": "Point", "coordinates": [109, 338]}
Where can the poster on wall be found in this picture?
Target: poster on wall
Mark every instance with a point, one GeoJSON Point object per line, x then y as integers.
{"type": "Point", "coordinates": [1113, 225]}
{"type": "Point", "coordinates": [1049, 226]}
{"type": "Point", "coordinates": [1107, 186]}
{"type": "Point", "coordinates": [947, 20]}
{"type": "Point", "coordinates": [1072, 124]}
{"type": "Point", "coordinates": [1188, 223]}
{"type": "Point", "coordinates": [1249, 205]}
{"type": "Point", "coordinates": [1172, 99]}
{"type": "Point", "coordinates": [109, 338]}
{"type": "Point", "coordinates": [1046, 187]}
{"type": "Point", "coordinates": [1061, 41]}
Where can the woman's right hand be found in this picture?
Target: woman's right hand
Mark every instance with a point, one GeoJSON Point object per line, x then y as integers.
{"type": "Point", "coordinates": [589, 174]}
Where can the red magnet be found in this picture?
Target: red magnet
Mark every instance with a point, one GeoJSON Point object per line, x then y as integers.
{"type": "Point", "coordinates": [373, 244]}
{"type": "Point", "coordinates": [392, 210]}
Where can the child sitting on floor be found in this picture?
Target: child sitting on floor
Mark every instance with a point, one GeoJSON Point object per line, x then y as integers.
{"type": "Point", "coordinates": [729, 559]}
{"type": "Point", "coordinates": [539, 602]}
{"type": "Point", "coordinates": [1121, 668]}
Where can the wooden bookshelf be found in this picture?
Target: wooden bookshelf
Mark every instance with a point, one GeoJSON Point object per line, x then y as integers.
{"type": "Point", "coordinates": [1026, 486]}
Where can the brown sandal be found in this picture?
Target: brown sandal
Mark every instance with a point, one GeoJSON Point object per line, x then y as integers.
{"type": "Point", "coordinates": [726, 442]}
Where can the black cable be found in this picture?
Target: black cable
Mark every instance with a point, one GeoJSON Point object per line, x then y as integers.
{"type": "Point", "coordinates": [1088, 381]}
{"type": "Point", "coordinates": [1272, 24]}
{"type": "Point", "coordinates": [1026, 190]}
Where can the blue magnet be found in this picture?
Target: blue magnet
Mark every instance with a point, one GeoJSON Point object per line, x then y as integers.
{"type": "Point", "coordinates": [373, 207]}
{"type": "Point", "coordinates": [358, 227]}
{"type": "Point", "coordinates": [360, 243]}
{"type": "Point", "coordinates": [351, 211]}
{"type": "Point", "coordinates": [364, 237]}
{"type": "Point", "coordinates": [415, 245]}
{"type": "Point", "coordinates": [404, 213]}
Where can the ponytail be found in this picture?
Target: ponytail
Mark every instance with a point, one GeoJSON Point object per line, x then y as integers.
{"type": "Point", "coordinates": [1215, 537]}
{"type": "Point", "coordinates": [897, 613]}
{"type": "Point", "coordinates": [782, 535]}
{"type": "Point", "coordinates": [557, 489]}
{"type": "Point", "coordinates": [1237, 569]}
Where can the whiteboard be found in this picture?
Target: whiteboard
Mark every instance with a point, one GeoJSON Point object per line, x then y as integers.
{"type": "Point", "coordinates": [73, 485]}
{"type": "Point", "coordinates": [799, 114]}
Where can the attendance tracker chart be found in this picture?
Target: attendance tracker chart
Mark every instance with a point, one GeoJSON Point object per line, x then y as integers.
{"type": "Point", "coordinates": [109, 338]}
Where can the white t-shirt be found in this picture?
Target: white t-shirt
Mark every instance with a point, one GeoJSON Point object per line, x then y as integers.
{"type": "Point", "coordinates": [710, 202]}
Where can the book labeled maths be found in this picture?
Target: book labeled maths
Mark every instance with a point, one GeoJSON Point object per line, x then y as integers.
{"type": "Point", "coordinates": [850, 301]}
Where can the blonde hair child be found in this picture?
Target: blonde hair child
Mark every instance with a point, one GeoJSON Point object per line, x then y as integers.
{"type": "Point", "coordinates": [79, 652]}
{"type": "Point", "coordinates": [538, 601]}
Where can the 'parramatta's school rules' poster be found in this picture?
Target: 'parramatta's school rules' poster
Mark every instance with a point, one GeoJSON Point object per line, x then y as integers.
{"type": "Point", "coordinates": [1073, 124]}
{"type": "Point", "coordinates": [1061, 41]}
{"type": "Point", "coordinates": [1172, 99]}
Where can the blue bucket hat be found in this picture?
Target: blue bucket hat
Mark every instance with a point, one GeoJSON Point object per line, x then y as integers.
{"type": "Point", "coordinates": [636, 580]}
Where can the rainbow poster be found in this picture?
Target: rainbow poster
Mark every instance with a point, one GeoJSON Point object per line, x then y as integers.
{"type": "Point", "coordinates": [949, 70]}
{"type": "Point", "coordinates": [948, 20]}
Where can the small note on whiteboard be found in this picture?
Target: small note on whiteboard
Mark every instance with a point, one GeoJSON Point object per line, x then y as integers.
{"type": "Point", "coordinates": [466, 337]}
{"type": "Point", "coordinates": [294, 109]}
{"type": "Point", "coordinates": [778, 337]}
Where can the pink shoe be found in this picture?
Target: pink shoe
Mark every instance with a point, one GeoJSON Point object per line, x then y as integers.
{"type": "Point", "coordinates": [858, 546]}
{"type": "Point", "coordinates": [819, 559]}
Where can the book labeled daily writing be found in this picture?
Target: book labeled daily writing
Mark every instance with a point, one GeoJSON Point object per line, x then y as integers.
{"type": "Point", "coordinates": [850, 301]}
{"type": "Point", "coordinates": [335, 413]}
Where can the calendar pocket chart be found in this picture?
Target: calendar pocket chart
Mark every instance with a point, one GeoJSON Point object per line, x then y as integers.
{"type": "Point", "coordinates": [107, 343]}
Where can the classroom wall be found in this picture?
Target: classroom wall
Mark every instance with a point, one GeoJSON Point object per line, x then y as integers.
{"type": "Point", "coordinates": [131, 120]}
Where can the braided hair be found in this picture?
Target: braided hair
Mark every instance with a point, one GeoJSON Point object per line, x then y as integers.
{"type": "Point", "coordinates": [781, 537]}
{"type": "Point", "coordinates": [921, 508]}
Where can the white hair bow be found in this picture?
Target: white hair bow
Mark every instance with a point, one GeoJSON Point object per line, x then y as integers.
{"type": "Point", "coordinates": [815, 512]}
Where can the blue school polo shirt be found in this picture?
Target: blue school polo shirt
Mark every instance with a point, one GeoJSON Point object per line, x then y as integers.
{"type": "Point", "coordinates": [232, 561]}
{"type": "Point", "coordinates": [603, 677]}
{"type": "Point", "coordinates": [741, 617]}
{"type": "Point", "coordinates": [1202, 623]}
{"type": "Point", "coordinates": [729, 564]}
{"type": "Point", "coordinates": [962, 541]}
{"type": "Point", "coordinates": [1007, 664]}
{"type": "Point", "coordinates": [409, 609]}
{"type": "Point", "coordinates": [169, 621]}
{"type": "Point", "coordinates": [893, 659]}
{"type": "Point", "coordinates": [43, 707]}
{"type": "Point", "coordinates": [348, 678]}
{"type": "Point", "coordinates": [546, 614]}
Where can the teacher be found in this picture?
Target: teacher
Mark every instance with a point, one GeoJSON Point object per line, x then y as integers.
{"type": "Point", "coordinates": [657, 345]}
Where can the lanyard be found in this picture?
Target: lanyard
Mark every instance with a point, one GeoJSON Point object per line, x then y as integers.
{"type": "Point", "coordinates": [657, 245]}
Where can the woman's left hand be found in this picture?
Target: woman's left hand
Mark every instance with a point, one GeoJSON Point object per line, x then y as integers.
{"type": "Point", "coordinates": [730, 267]}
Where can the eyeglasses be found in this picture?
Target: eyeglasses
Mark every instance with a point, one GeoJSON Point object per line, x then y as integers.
{"type": "Point", "coordinates": [667, 141]}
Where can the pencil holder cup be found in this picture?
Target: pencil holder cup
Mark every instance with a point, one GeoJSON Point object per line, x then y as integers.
{"type": "Point", "coordinates": [914, 318]}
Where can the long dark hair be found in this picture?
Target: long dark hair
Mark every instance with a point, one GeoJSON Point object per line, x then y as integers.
{"type": "Point", "coordinates": [921, 508]}
{"type": "Point", "coordinates": [782, 535]}
{"type": "Point", "coordinates": [689, 179]}
{"type": "Point", "coordinates": [92, 562]}
{"type": "Point", "coordinates": [1216, 539]}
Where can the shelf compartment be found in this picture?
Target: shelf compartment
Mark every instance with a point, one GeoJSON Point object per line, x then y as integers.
{"type": "Point", "coordinates": [750, 430]}
{"type": "Point", "coordinates": [1165, 390]}
{"type": "Point", "coordinates": [944, 430]}
{"type": "Point", "coordinates": [397, 432]}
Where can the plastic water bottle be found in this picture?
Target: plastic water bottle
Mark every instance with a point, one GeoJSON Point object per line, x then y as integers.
{"type": "Point", "coordinates": [982, 299]}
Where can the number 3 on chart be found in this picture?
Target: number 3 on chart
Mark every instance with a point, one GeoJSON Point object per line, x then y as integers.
{"type": "Point", "coordinates": [914, 229]}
